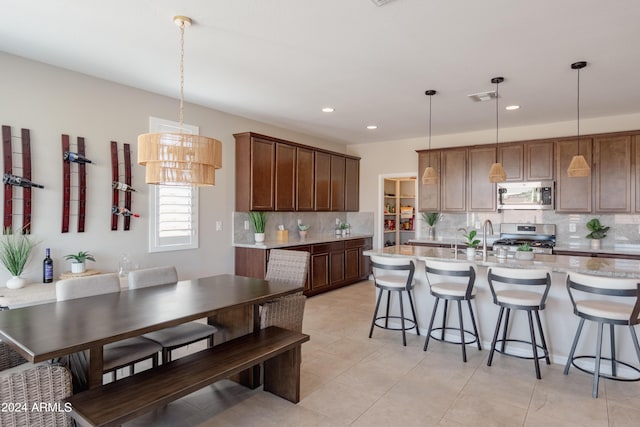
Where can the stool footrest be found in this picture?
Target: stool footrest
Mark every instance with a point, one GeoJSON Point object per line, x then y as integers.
{"type": "Point", "coordinates": [538, 356]}
{"type": "Point", "coordinates": [605, 375]}
{"type": "Point", "coordinates": [457, 334]}
{"type": "Point", "coordinates": [412, 323]}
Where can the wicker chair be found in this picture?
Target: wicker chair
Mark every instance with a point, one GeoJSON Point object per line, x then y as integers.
{"type": "Point", "coordinates": [45, 386]}
{"type": "Point", "coordinates": [289, 267]}
{"type": "Point", "coordinates": [176, 336]}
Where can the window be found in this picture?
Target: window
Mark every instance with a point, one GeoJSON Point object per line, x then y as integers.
{"type": "Point", "coordinates": [173, 209]}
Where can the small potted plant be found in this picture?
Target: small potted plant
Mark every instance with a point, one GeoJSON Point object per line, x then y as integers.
{"type": "Point", "coordinates": [15, 251]}
{"type": "Point", "coordinates": [472, 242]}
{"type": "Point", "coordinates": [79, 259]}
{"type": "Point", "coordinates": [525, 252]}
{"type": "Point", "coordinates": [258, 222]}
{"type": "Point", "coordinates": [345, 228]}
{"type": "Point", "coordinates": [303, 229]}
{"type": "Point", "coordinates": [431, 218]}
{"type": "Point", "coordinates": [597, 232]}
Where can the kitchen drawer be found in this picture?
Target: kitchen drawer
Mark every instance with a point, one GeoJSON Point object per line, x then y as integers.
{"type": "Point", "coordinates": [327, 247]}
{"type": "Point", "coordinates": [355, 243]}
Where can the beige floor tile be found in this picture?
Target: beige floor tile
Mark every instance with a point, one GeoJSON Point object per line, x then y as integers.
{"type": "Point", "coordinates": [623, 416]}
{"type": "Point", "coordinates": [342, 403]}
{"type": "Point", "coordinates": [386, 413]}
{"type": "Point", "coordinates": [482, 410]}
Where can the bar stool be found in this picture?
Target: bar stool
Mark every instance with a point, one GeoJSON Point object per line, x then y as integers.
{"type": "Point", "coordinates": [452, 282]}
{"type": "Point", "coordinates": [520, 289]}
{"type": "Point", "coordinates": [393, 274]}
{"type": "Point", "coordinates": [614, 301]}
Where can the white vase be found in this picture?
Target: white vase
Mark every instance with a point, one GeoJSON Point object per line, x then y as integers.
{"type": "Point", "coordinates": [471, 252]}
{"type": "Point", "coordinates": [77, 267]}
{"type": "Point", "coordinates": [303, 234]}
{"type": "Point", "coordinates": [259, 237]}
{"type": "Point", "coordinates": [432, 233]}
{"type": "Point", "coordinates": [16, 282]}
{"type": "Point", "coordinates": [595, 244]}
{"type": "Point", "coordinates": [525, 255]}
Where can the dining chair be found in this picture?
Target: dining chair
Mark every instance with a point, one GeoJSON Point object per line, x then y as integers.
{"type": "Point", "coordinates": [23, 385]}
{"type": "Point", "coordinates": [175, 336]}
{"type": "Point", "coordinates": [288, 266]}
{"type": "Point", "coordinates": [119, 354]}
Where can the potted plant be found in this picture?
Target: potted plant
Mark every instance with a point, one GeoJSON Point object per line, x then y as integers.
{"type": "Point", "coordinates": [79, 259]}
{"type": "Point", "coordinates": [15, 251]}
{"type": "Point", "coordinates": [344, 227]}
{"type": "Point", "coordinates": [303, 229]}
{"type": "Point", "coordinates": [472, 242]}
{"type": "Point", "coordinates": [597, 232]}
{"type": "Point", "coordinates": [525, 252]}
{"type": "Point", "coordinates": [258, 222]}
{"type": "Point", "coordinates": [431, 218]}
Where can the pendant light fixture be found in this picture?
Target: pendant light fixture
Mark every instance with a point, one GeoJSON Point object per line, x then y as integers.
{"type": "Point", "coordinates": [179, 158]}
{"type": "Point", "coordinates": [430, 176]}
{"type": "Point", "coordinates": [497, 172]}
{"type": "Point", "coordinates": [578, 166]}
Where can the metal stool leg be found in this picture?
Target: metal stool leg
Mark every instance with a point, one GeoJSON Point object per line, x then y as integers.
{"type": "Point", "coordinates": [504, 331]}
{"type": "Point", "coordinates": [375, 313]}
{"type": "Point", "coordinates": [495, 336]}
{"type": "Point", "coordinates": [444, 318]}
{"type": "Point", "coordinates": [573, 346]}
{"type": "Point", "coordinates": [473, 322]}
{"type": "Point", "coordinates": [433, 316]}
{"type": "Point", "coordinates": [413, 311]}
{"type": "Point", "coordinates": [404, 336]}
{"type": "Point", "coordinates": [464, 349]}
{"type": "Point", "coordinates": [534, 347]}
{"type": "Point", "coordinates": [634, 338]}
{"type": "Point", "coordinates": [596, 371]}
{"type": "Point", "coordinates": [386, 319]}
{"type": "Point", "coordinates": [543, 341]}
{"type": "Point", "coordinates": [612, 337]}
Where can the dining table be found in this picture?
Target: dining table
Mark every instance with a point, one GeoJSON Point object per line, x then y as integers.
{"type": "Point", "coordinates": [58, 329]}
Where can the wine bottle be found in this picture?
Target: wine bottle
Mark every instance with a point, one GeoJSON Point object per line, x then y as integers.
{"type": "Point", "coordinates": [70, 156]}
{"type": "Point", "coordinates": [116, 210]}
{"type": "Point", "coordinates": [19, 181]}
{"type": "Point", "coordinates": [47, 267]}
{"type": "Point", "coordinates": [116, 185]}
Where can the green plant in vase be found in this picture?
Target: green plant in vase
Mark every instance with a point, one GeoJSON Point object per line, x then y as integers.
{"type": "Point", "coordinates": [597, 232]}
{"type": "Point", "coordinates": [258, 222]}
{"type": "Point", "coordinates": [431, 218]}
{"type": "Point", "coordinates": [472, 242]}
{"type": "Point", "coordinates": [525, 252]}
{"type": "Point", "coordinates": [15, 251]}
{"type": "Point", "coordinates": [79, 261]}
{"type": "Point", "coordinates": [303, 229]}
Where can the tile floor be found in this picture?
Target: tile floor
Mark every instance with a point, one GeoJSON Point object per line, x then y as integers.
{"type": "Point", "coordinates": [351, 380]}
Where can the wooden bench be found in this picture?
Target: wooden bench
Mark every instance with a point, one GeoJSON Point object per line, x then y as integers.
{"type": "Point", "coordinates": [120, 401]}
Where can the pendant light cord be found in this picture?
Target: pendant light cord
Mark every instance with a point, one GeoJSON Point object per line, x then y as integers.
{"type": "Point", "coordinates": [430, 97]}
{"type": "Point", "coordinates": [497, 127]}
{"type": "Point", "coordinates": [181, 114]}
{"type": "Point", "coordinates": [578, 110]}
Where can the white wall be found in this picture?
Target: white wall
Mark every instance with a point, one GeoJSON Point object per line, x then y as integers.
{"type": "Point", "coordinates": [50, 101]}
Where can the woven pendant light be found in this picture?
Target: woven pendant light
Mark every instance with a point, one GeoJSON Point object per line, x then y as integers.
{"type": "Point", "coordinates": [497, 172]}
{"type": "Point", "coordinates": [430, 176]}
{"type": "Point", "coordinates": [179, 158]}
{"type": "Point", "coordinates": [578, 166]}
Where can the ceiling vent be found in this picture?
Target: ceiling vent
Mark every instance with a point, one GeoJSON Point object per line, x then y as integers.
{"type": "Point", "coordinates": [381, 2]}
{"type": "Point", "coordinates": [483, 96]}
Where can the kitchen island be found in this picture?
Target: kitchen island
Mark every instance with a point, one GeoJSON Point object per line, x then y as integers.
{"type": "Point", "coordinates": [558, 319]}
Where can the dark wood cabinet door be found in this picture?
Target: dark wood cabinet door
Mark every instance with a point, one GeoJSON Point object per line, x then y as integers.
{"type": "Point", "coordinates": [429, 194]}
{"type": "Point", "coordinates": [304, 179]}
{"type": "Point", "coordinates": [319, 270]}
{"type": "Point", "coordinates": [262, 174]}
{"type": "Point", "coordinates": [352, 264]}
{"type": "Point", "coordinates": [481, 194]}
{"type": "Point", "coordinates": [636, 148]}
{"type": "Point", "coordinates": [336, 267]}
{"type": "Point", "coordinates": [612, 180]}
{"type": "Point", "coordinates": [572, 194]}
{"type": "Point", "coordinates": [454, 180]}
{"type": "Point", "coordinates": [322, 175]}
{"type": "Point", "coordinates": [511, 156]}
{"type": "Point", "coordinates": [285, 177]}
{"type": "Point", "coordinates": [352, 185]}
{"type": "Point", "coordinates": [337, 182]}
{"type": "Point", "coordinates": [538, 158]}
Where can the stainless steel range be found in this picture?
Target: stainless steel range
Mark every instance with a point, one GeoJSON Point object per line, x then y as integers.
{"type": "Point", "coordinates": [541, 237]}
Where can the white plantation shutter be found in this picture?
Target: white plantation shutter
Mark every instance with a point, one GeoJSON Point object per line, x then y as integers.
{"type": "Point", "coordinates": [173, 209]}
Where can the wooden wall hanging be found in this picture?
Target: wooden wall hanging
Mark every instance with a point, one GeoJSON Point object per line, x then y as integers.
{"type": "Point", "coordinates": [121, 184]}
{"type": "Point", "coordinates": [77, 157]}
{"type": "Point", "coordinates": [12, 179]}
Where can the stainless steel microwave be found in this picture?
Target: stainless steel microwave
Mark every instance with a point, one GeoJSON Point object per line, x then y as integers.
{"type": "Point", "coordinates": [526, 195]}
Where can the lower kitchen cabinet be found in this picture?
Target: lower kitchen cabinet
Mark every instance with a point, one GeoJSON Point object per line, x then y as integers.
{"type": "Point", "coordinates": [331, 264]}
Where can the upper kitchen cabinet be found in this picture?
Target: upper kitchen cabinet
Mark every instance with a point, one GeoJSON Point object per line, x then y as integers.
{"type": "Point", "coordinates": [304, 179]}
{"type": "Point", "coordinates": [527, 161]}
{"type": "Point", "coordinates": [429, 194]}
{"type": "Point", "coordinates": [322, 181]}
{"type": "Point", "coordinates": [612, 174]}
{"type": "Point", "coordinates": [454, 180]}
{"type": "Point", "coordinates": [277, 175]}
{"type": "Point", "coordinates": [573, 195]}
{"type": "Point", "coordinates": [481, 194]}
{"type": "Point", "coordinates": [352, 185]}
{"type": "Point", "coordinates": [337, 182]}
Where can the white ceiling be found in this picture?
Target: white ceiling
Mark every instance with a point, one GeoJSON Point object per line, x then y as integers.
{"type": "Point", "coordinates": [281, 61]}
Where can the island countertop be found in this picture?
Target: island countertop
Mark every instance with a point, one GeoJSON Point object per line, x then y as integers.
{"type": "Point", "coordinates": [612, 267]}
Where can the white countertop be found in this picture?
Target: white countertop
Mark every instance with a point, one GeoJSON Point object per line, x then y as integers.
{"type": "Point", "coordinates": [611, 267]}
{"type": "Point", "coordinates": [297, 241]}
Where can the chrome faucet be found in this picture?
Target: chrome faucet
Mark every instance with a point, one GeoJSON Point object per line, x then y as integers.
{"type": "Point", "coordinates": [484, 237]}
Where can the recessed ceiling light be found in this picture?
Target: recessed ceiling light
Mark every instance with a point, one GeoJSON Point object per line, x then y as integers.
{"type": "Point", "coordinates": [512, 107]}
{"type": "Point", "coordinates": [328, 110]}
{"type": "Point", "coordinates": [372, 127]}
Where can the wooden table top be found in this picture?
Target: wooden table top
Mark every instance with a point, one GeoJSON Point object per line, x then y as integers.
{"type": "Point", "coordinates": [45, 331]}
